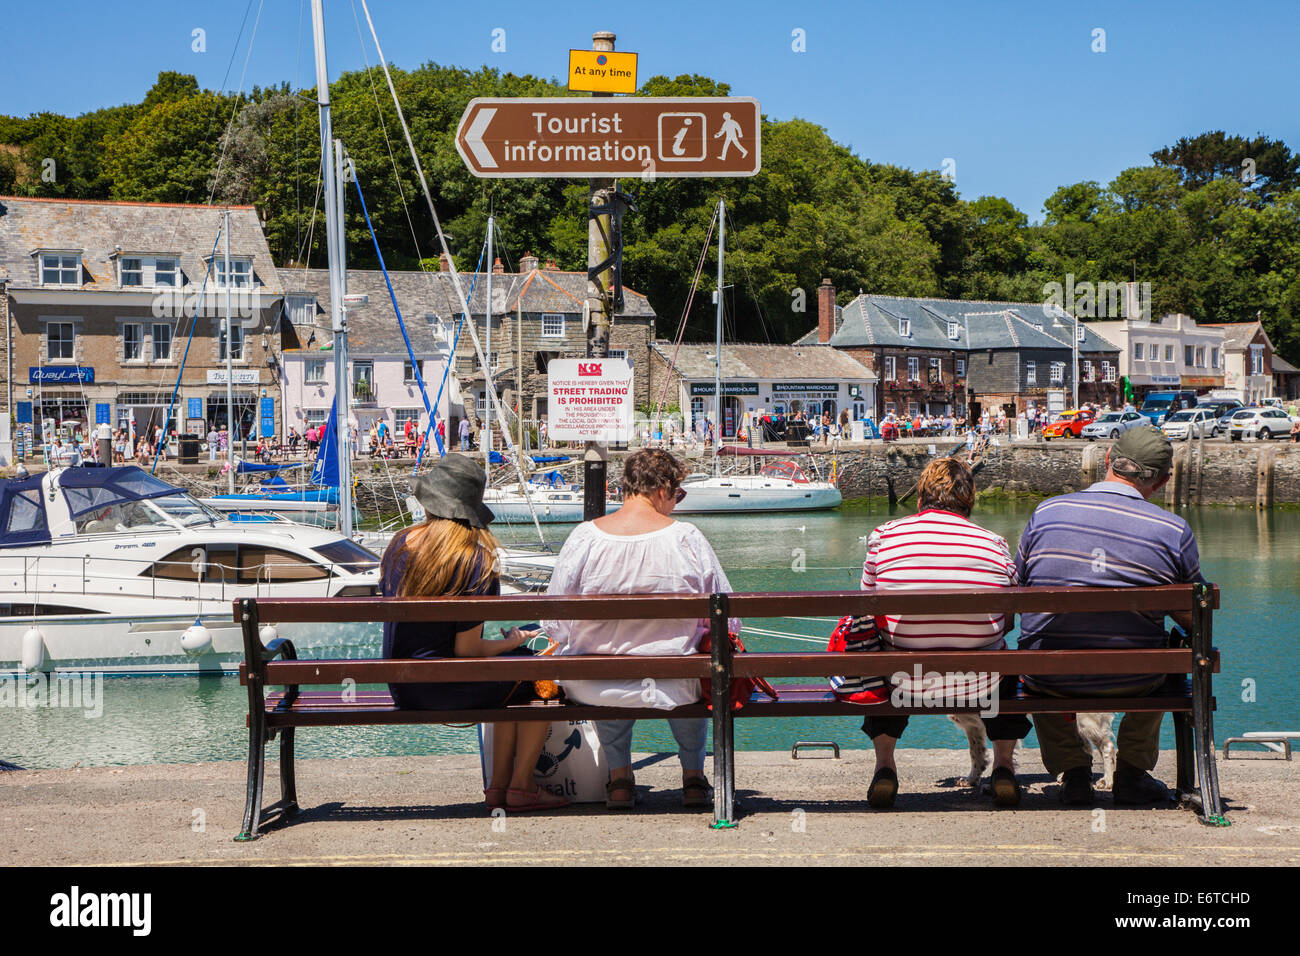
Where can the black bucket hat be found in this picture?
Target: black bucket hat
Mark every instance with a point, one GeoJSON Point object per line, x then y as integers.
{"type": "Point", "coordinates": [453, 488]}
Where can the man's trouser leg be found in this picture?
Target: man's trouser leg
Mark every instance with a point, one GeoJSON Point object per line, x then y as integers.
{"type": "Point", "coordinates": [1137, 742]}
{"type": "Point", "coordinates": [1060, 745]}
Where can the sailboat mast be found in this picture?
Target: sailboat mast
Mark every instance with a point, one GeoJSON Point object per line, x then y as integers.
{"type": "Point", "coordinates": [230, 378]}
{"type": "Point", "coordinates": [717, 381]}
{"type": "Point", "coordinates": [487, 370]}
{"type": "Point", "coordinates": [338, 287]}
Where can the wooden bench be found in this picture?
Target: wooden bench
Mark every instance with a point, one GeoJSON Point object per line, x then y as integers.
{"type": "Point", "coordinates": [276, 665]}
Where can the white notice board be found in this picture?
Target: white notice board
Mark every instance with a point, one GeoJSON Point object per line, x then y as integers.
{"type": "Point", "coordinates": [590, 399]}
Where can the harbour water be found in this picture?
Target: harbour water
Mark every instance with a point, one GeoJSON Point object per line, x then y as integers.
{"type": "Point", "coordinates": [1254, 558]}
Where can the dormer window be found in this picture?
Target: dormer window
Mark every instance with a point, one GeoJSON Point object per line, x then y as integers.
{"type": "Point", "coordinates": [241, 273]}
{"type": "Point", "coordinates": [132, 272]}
{"type": "Point", "coordinates": [60, 269]}
{"type": "Point", "coordinates": [1081, 333]}
{"type": "Point", "coordinates": [953, 330]}
{"type": "Point", "coordinates": [905, 328]}
{"type": "Point", "coordinates": [166, 272]}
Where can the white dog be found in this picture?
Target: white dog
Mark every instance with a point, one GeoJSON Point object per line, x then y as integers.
{"type": "Point", "coordinates": [1093, 729]}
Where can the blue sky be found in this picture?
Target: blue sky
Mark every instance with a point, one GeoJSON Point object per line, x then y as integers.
{"type": "Point", "coordinates": [1012, 92]}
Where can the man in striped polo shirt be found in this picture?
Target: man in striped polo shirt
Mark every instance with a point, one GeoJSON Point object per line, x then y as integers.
{"type": "Point", "coordinates": [939, 547]}
{"type": "Point", "coordinates": [1107, 535]}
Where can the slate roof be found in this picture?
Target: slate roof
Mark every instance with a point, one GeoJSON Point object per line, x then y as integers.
{"type": "Point", "coordinates": [98, 228]}
{"type": "Point", "coordinates": [1282, 365]}
{"type": "Point", "coordinates": [766, 362]}
{"type": "Point", "coordinates": [1237, 335]}
{"type": "Point", "coordinates": [374, 328]}
{"type": "Point", "coordinates": [873, 320]}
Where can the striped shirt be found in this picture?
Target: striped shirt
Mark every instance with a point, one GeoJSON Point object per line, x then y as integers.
{"type": "Point", "coordinates": [939, 549]}
{"type": "Point", "coordinates": [1107, 535]}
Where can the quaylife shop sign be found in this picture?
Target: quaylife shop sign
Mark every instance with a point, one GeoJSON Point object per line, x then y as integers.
{"type": "Point", "coordinates": [765, 398]}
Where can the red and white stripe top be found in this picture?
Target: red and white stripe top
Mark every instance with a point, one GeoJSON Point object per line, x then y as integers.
{"type": "Point", "coordinates": [939, 549]}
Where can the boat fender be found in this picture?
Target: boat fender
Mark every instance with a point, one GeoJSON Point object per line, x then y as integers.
{"type": "Point", "coordinates": [268, 633]}
{"type": "Point", "coordinates": [196, 639]}
{"type": "Point", "coordinates": [33, 649]}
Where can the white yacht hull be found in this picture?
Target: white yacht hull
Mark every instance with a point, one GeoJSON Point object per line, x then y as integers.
{"type": "Point", "coordinates": [746, 495]}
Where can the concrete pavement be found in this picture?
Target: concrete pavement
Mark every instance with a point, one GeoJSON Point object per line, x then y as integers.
{"type": "Point", "coordinates": [429, 811]}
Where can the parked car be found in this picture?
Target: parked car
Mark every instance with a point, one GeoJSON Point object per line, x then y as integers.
{"type": "Point", "coordinates": [1267, 422]}
{"type": "Point", "coordinates": [1068, 424]}
{"type": "Point", "coordinates": [1157, 406]}
{"type": "Point", "coordinates": [1112, 425]}
{"type": "Point", "coordinates": [1191, 423]}
{"type": "Point", "coordinates": [1222, 409]}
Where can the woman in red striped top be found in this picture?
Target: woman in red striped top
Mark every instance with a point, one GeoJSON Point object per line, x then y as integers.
{"type": "Point", "coordinates": [940, 547]}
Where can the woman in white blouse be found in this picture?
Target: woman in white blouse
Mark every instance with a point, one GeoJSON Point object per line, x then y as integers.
{"type": "Point", "coordinates": [640, 549]}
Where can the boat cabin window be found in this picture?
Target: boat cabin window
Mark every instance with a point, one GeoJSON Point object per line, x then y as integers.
{"type": "Point", "coordinates": [26, 512]}
{"type": "Point", "coordinates": [123, 516]}
{"type": "Point", "coordinates": [236, 564]}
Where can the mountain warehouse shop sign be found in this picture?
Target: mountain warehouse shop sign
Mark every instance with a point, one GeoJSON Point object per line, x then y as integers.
{"type": "Point", "coordinates": [590, 399]}
{"type": "Point", "coordinates": [60, 374]}
{"type": "Point", "coordinates": [818, 388]}
{"type": "Point", "coordinates": [728, 388]}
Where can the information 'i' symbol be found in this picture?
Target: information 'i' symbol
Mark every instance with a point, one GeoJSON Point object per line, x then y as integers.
{"type": "Point", "coordinates": [678, 149]}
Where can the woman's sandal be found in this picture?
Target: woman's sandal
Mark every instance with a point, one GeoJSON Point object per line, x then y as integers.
{"type": "Point", "coordinates": [625, 785]}
{"type": "Point", "coordinates": [696, 792]}
{"type": "Point", "coordinates": [537, 799]}
{"type": "Point", "coordinates": [494, 797]}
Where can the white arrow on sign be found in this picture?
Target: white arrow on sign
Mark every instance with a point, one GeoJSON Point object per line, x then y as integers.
{"type": "Point", "coordinates": [474, 138]}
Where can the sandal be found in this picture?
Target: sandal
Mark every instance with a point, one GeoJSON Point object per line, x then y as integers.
{"type": "Point", "coordinates": [696, 792]}
{"type": "Point", "coordinates": [494, 797]}
{"type": "Point", "coordinates": [622, 785]}
{"type": "Point", "coordinates": [883, 789]}
{"type": "Point", "coordinates": [537, 799]}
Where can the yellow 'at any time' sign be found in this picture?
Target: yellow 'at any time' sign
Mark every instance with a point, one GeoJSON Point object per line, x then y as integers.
{"type": "Point", "coordinates": [592, 71]}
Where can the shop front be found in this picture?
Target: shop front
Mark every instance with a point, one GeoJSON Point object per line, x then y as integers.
{"type": "Point", "coordinates": [736, 398]}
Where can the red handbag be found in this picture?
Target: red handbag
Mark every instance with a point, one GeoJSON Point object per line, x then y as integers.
{"type": "Point", "coordinates": [742, 688]}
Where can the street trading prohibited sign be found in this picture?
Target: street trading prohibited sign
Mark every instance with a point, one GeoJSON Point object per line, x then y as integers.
{"type": "Point", "coordinates": [590, 399]}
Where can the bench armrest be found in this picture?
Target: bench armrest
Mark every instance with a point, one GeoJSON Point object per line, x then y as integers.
{"type": "Point", "coordinates": [280, 647]}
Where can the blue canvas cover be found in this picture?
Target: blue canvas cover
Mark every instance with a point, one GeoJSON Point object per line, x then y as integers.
{"type": "Point", "coordinates": [22, 512]}
{"type": "Point", "coordinates": [326, 472]}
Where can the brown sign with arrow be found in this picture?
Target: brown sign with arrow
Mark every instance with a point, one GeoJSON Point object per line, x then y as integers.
{"type": "Point", "coordinates": [582, 137]}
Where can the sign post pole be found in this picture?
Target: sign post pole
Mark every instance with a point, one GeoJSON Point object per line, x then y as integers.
{"type": "Point", "coordinates": [601, 195]}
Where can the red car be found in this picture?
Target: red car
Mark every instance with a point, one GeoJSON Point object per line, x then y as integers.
{"type": "Point", "coordinates": [1068, 424]}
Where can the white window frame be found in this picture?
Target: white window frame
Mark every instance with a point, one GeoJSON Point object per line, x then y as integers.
{"type": "Point", "coordinates": [954, 330]}
{"type": "Point", "coordinates": [1057, 374]}
{"type": "Point", "coordinates": [153, 345]}
{"type": "Point", "coordinates": [1200, 356]}
{"type": "Point", "coordinates": [313, 372]}
{"type": "Point", "coordinates": [1138, 353]}
{"type": "Point", "coordinates": [173, 273]}
{"type": "Point", "coordinates": [913, 368]}
{"type": "Point", "coordinates": [318, 417]}
{"type": "Point", "coordinates": [961, 368]}
{"type": "Point", "coordinates": [891, 368]}
{"type": "Point", "coordinates": [549, 330]}
{"type": "Point", "coordinates": [1089, 372]}
{"type": "Point", "coordinates": [408, 373]}
{"type": "Point", "coordinates": [1214, 358]}
{"type": "Point", "coordinates": [905, 328]}
{"type": "Point", "coordinates": [1169, 353]}
{"type": "Point", "coordinates": [1257, 360]}
{"type": "Point", "coordinates": [1082, 332]}
{"type": "Point", "coordinates": [368, 379]}
{"type": "Point", "coordinates": [1031, 373]}
{"type": "Point", "coordinates": [67, 264]}
{"type": "Point", "coordinates": [1189, 355]}
{"type": "Point", "coordinates": [401, 416]}
{"type": "Point", "coordinates": [136, 273]}
{"type": "Point", "coordinates": [241, 269]}
{"type": "Point", "coordinates": [50, 357]}
{"type": "Point", "coordinates": [236, 340]}
{"type": "Point", "coordinates": [1107, 372]}
{"type": "Point", "coordinates": [139, 342]}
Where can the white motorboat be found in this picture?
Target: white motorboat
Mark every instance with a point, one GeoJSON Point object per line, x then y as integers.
{"type": "Point", "coordinates": [780, 485]}
{"type": "Point", "coordinates": [549, 502]}
{"type": "Point", "coordinates": [115, 570]}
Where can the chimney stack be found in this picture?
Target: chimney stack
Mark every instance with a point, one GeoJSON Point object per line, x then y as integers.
{"type": "Point", "coordinates": [444, 264]}
{"type": "Point", "coordinates": [551, 266]}
{"type": "Point", "coordinates": [825, 311]}
{"type": "Point", "coordinates": [528, 263]}
{"type": "Point", "coordinates": [497, 267]}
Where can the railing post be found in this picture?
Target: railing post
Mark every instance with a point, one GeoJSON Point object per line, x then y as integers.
{"type": "Point", "coordinates": [724, 794]}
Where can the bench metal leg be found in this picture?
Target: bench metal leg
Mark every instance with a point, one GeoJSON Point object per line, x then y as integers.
{"type": "Point", "coordinates": [256, 774]}
{"type": "Point", "coordinates": [1207, 771]}
{"type": "Point", "coordinates": [1185, 747]}
{"type": "Point", "coordinates": [288, 784]}
{"type": "Point", "coordinates": [724, 794]}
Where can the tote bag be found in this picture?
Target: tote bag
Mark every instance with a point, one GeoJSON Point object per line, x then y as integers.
{"type": "Point", "coordinates": [570, 764]}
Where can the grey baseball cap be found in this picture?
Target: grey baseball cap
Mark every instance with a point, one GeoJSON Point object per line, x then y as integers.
{"type": "Point", "coordinates": [1147, 446]}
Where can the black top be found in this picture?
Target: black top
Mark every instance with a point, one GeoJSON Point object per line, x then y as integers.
{"type": "Point", "coordinates": [421, 638]}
